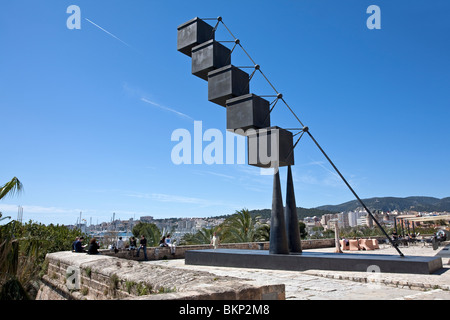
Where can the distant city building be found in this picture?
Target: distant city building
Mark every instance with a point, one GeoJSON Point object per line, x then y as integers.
{"type": "Point", "coordinates": [82, 227]}
{"type": "Point", "coordinates": [353, 217]}
{"type": "Point", "coordinates": [343, 220]}
{"type": "Point", "coordinates": [365, 221]}
{"type": "Point", "coordinates": [147, 219]}
{"type": "Point", "coordinates": [325, 218]}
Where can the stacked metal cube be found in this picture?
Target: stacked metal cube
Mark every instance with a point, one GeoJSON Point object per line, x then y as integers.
{"type": "Point", "coordinates": [229, 86]}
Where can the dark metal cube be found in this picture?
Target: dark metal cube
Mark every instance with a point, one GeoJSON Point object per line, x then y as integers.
{"type": "Point", "coordinates": [270, 147]}
{"type": "Point", "coordinates": [226, 83]}
{"type": "Point", "coordinates": [247, 112]}
{"type": "Point", "coordinates": [193, 33]}
{"type": "Point", "coordinates": [209, 56]}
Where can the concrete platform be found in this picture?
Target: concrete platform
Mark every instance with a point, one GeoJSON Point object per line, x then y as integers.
{"type": "Point", "coordinates": [261, 259]}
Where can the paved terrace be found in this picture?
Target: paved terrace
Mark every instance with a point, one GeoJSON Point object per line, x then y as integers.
{"type": "Point", "coordinates": [110, 277]}
{"type": "Point", "coordinates": [342, 285]}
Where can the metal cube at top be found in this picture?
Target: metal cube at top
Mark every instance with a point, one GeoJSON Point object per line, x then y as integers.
{"type": "Point", "coordinates": [209, 56]}
{"type": "Point", "coordinates": [270, 147]}
{"type": "Point", "coordinates": [193, 33]}
{"type": "Point", "coordinates": [226, 83]}
{"type": "Point", "coordinates": [247, 112]}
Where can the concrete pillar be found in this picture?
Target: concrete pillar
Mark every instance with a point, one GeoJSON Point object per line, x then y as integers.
{"type": "Point", "coordinates": [291, 218]}
{"type": "Point", "coordinates": [278, 238]}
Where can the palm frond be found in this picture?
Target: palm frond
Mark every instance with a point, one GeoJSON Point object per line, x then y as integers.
{"type": "Point", "coordinates": [3, 218]}
{"type": "Point", "coordinates": [12, 187]}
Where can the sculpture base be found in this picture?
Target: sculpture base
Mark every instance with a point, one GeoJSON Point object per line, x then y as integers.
{"type": "Point", "coordinates": [262, 259]}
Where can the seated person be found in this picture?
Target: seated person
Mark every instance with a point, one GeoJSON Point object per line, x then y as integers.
{"type": "Point", "coordinates": [394, 235]}
{"type": "Point", "coordinates": [346, 242]}
{"type": "Point", "coordinates": [119, 245]}
{"type": "Point", "coordinates": [133, 244]}
{"type": "Point", "coordinates": [79, 245]}
{"type": "Point", "coordinates": [171, 244]}
{"type": "Point", "coordinates": [93, 247]}
{"type": "Point", "coordinates": [168, 241]}
{"type": "Point", "coordinates": [162, 242]}
{"type": "Point", "coordinates": [74, 243]}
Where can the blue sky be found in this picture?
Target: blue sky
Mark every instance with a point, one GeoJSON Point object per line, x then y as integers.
{"type": "Point", "coordinates": [87, 115]}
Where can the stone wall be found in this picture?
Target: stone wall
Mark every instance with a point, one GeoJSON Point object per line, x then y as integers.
{"type": "Point", "coordinates": [78, 276]}
{"type": "Point", "coordinates": [122, 276]}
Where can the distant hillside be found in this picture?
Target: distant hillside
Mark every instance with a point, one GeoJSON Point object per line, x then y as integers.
{"type": "Point", "coordinates": [424, 204]}
{"type": "Point", "coordinates": [301, 212]}
{"type": "Point", "coordinates": [391, 203]}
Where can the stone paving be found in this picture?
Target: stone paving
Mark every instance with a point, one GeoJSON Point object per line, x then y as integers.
{"type": "Point", "coordinates": [342, 285]}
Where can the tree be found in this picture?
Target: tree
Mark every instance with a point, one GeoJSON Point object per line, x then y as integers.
{"type": "Point", "coordinates": [9, 251]}
{"type": "Point", "coordinates": [327, 234]}
{"type": "Point", "coordinates": [241, 227]}
{"type": "Point", "coordinates": [23, 248]}
{"type": "Point", "coordinates": [3, 218]}
{"type": "Point", "coordinates": [262, 232]}
{"type": "Point", "coordinates": [202, 236]}
{"type": "Point", "coordinates": [302, 227]}
{"type": "Point", "coordinates": [12, 187]}
{"type": "Point", "coordinates": [149, 230]}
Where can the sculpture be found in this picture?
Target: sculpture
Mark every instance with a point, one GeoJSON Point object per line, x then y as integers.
{"type": "Point", "coordinates": [248, 114]}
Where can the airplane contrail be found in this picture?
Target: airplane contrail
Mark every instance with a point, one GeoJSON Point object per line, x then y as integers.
{"type": "Point", "coordinates": [110, 33]}
{"type": "Point", "coordinates": [167, 108]}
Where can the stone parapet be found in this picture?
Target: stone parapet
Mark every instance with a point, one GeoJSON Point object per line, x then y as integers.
{"type": "Point", "coordinates": [78, 276]}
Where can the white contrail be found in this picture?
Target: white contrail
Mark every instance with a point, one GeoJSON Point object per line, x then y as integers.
{"type": "Point", "coordinates": [166, 108]}
{"type": "Point", "coordinates": [109, 33]}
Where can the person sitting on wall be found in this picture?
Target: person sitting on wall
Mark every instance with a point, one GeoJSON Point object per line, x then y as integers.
{"type": "Point", "coordinates": [132, 243]}
{"type": "Point", "coordinates": [79, 245]}
{"type": "Point", "coordinates": [168, 241]}
{"type": "Point", "coordinates": [162, 242]}
{"type": "Point", "coordinates": [119, 245]}
{"type": "Point", "coordinates": [142, 246]}
{"type": "Point", "coordinates": [170, 244]}
{"type": "Point", "coordinates": [93, 247]}
{"type": "Point", "coordinates": [74, 243]}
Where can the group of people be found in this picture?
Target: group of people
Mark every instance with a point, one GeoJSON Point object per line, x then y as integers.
{"type": "Point", "coordinates": [405, 239]}
{"type": "Point", "coordinates": [408, 236]}
{"type": "Point", "coordinates": [92, 248]}
{"type": "Point", "coordinates": [119, 245]}
{"type": "Point", "coordinates": [166, 241]}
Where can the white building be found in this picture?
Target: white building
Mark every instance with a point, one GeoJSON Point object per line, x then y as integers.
{"type": "Point", "coordinates": [365, 221]}
{"type": "Point", "coordinates": [343, 220]}
{"type": "Point", "coordinates": [353, 217]}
